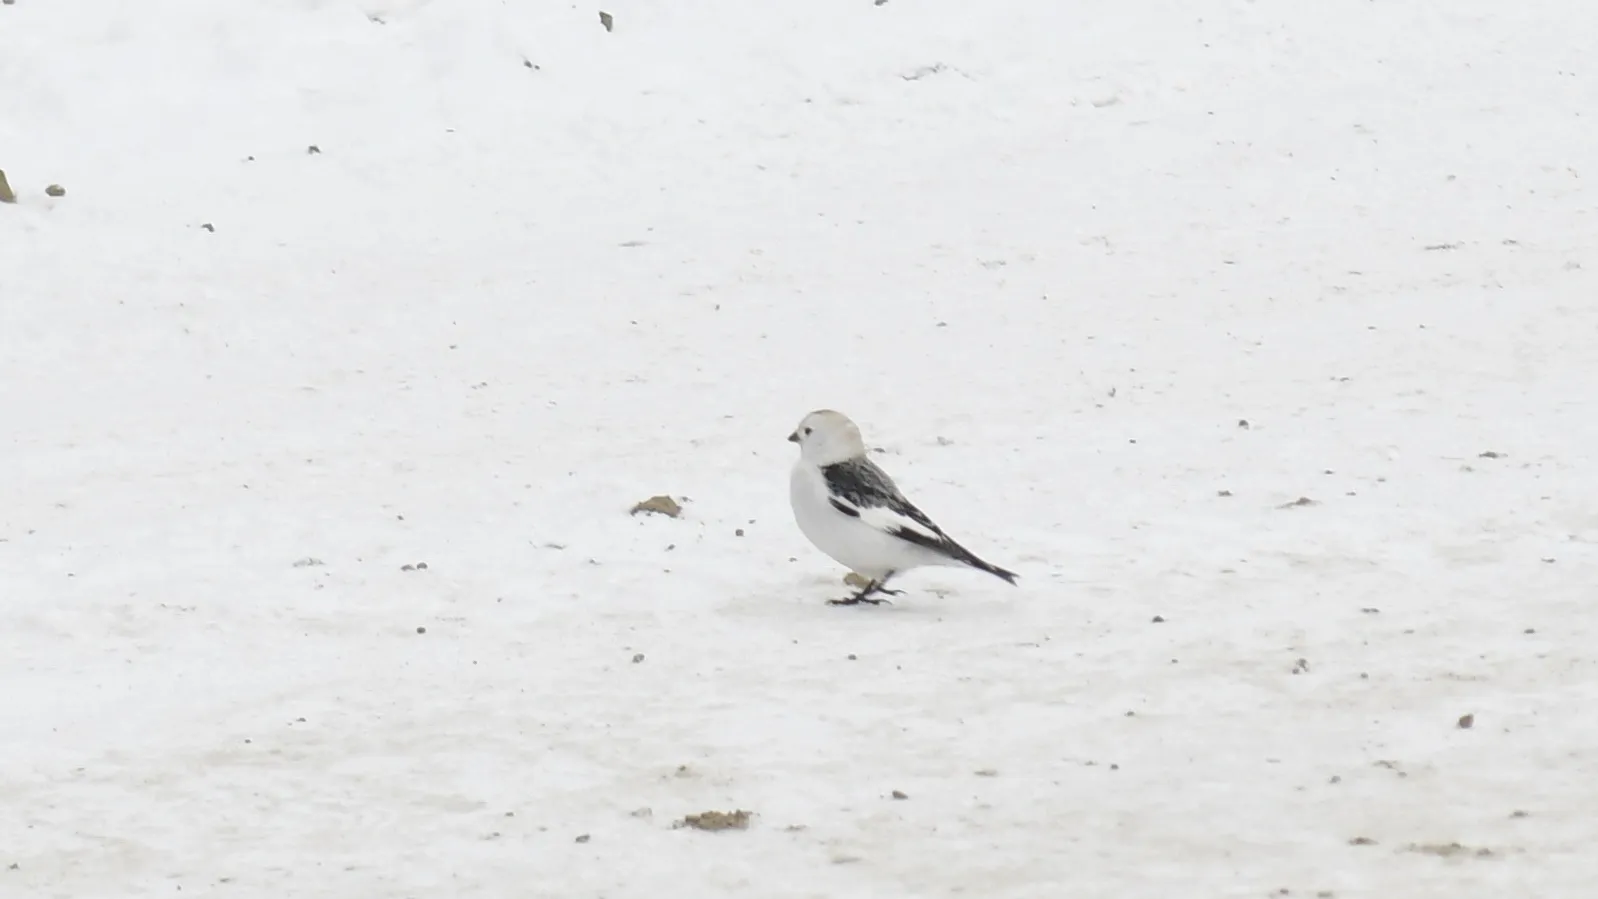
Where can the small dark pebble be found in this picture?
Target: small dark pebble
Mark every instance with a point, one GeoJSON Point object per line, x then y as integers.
{"type": "Point", "coordinates": [738, 533]}
{"type": "Point", "coordinates": [851, 657]}
{"type": "Point", "coordinates": [900, 794]}
{"type": "Point", "coordinates": [312, 150]}
{"type": "Point", "coordinates": [1159, 619]}
{"type": "Point", "coordinates": [421, 630]}
{"type": "Point", "coordinates": [637, 657]}
{"type": "Point", "coordinates": [1243, 423]}
{"type": "Point", "coordinates": [1466, 722]}
{"type": "Point", "coordinates": [209, 227]}
{"type": "Point", "coordinates": [583, 838]}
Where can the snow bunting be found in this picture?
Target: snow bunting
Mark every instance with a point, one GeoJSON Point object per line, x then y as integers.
{"type": "Point", "coordinates": [852, 511]}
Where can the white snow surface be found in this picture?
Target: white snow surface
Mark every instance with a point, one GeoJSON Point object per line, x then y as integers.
{"type": "Point", "coordinates": [1050, 255]}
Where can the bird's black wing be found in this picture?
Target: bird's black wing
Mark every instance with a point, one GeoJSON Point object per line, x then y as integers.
{"type": "Point", "coordinates": [860, 489]}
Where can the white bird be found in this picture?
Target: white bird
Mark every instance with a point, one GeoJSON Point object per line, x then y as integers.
{"type": "Point", "coordinates": [852, 511]}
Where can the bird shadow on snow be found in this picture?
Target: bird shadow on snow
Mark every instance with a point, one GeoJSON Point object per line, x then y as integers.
{"type": "Point", "coordinates": [810, 597]}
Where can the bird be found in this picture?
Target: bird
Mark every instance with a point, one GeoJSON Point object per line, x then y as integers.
{"type": "Point", "coordinates": [852, 511]}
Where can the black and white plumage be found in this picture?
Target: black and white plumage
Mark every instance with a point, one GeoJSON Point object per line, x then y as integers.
{"type": "Point", "coordinates": [852, 511]}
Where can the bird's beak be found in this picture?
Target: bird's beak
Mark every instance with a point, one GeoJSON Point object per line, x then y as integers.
{"type": "Point", "coordinates": [794, 437]}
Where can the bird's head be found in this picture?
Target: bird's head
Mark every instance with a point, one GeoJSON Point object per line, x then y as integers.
{"type": "Point", "coordinates": [826, 437]}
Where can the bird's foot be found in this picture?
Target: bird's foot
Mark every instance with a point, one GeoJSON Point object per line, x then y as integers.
{"type": "Point", "coordinates": [855, 601]}
{"type": "Point", "coordinates": [865, 595]}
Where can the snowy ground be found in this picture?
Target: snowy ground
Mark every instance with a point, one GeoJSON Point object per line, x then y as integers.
{"type": "Point", "coordinates": [1050, 255]}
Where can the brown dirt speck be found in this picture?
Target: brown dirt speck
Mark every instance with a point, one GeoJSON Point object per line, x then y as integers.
{"type": "Point", "coordinates": [658, 505]}
{"type": "Point", "coordinates": [1448, 850]}
{"type": "Point", "coordinates": [718, 821]}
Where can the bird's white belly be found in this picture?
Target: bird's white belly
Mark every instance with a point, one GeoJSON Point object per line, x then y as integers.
{"type": "Point", "coordinates": [860, 547]}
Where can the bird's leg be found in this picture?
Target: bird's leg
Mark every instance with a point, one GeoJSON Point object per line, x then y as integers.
{"type": "Point", "coordinates": [864, 595]}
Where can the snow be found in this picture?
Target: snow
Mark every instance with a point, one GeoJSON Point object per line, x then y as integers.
{"type": "Point", "coordinates": [1051, 256]}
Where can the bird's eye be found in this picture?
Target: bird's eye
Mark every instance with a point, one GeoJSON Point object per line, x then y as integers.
{"type": "Point", "coordinates": [807, 432]}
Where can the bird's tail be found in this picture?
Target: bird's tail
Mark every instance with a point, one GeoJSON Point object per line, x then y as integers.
{"type": "Point", "coordinates": [1007, 576]}
{"type": "Point", "coordinates": [954, 553]}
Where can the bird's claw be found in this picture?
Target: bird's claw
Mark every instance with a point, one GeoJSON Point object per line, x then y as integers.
{"type": "Point", "coordinates": [865, 594]}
